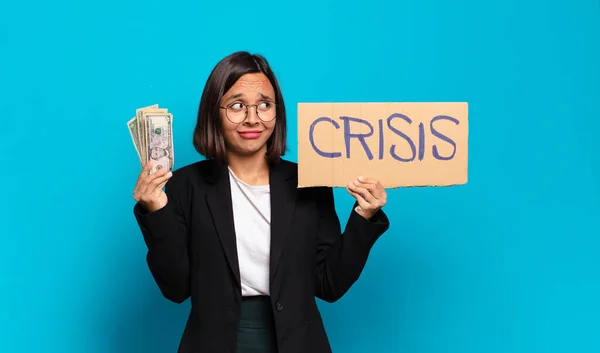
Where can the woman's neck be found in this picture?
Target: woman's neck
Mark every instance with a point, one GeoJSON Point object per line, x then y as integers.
{"type": "Point", "coordinates": [253, 170]}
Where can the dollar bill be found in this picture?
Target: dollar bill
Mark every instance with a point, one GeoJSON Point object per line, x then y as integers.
{"type": "Point", "coordinates": [159, 140]}
{"type": "Point", "coordinates": [152, 136]}
{"type": "Point", "coordinates": [132, 125]}
{"type": "Point", "coordinates": [142, 128]}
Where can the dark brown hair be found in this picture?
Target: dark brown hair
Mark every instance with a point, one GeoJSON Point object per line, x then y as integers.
{"type": "Point", "coordinates": [208, 134]}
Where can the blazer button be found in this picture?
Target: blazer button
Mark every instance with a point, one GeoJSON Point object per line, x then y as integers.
{"type": "Point", "coordinates": [279, 306]}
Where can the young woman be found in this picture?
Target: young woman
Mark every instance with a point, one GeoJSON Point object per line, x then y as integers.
{"type": "Point", "coordinates": [235, 234]}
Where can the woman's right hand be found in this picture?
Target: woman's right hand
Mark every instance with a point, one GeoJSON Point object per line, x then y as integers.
{"type": "Point", "coordinates": [149, 191]}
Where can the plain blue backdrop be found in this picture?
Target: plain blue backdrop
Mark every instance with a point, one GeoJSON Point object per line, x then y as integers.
{"type": "Point", "coordinates": [509, 262]}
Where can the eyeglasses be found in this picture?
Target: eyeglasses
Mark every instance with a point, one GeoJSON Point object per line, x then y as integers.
{"type": "Point", "coordinates": [238, 112]}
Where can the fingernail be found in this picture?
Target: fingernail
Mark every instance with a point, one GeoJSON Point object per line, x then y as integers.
{"type": "Point", "coordinates": [351, 186]}
{"type": "Point", "coordinates": [361, 178]}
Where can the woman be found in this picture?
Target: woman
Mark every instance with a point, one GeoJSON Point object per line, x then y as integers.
{"type": "Point", "coordinates": [234, 233]}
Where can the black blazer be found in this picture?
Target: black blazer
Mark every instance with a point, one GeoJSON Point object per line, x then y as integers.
{"type": "Point", "coordinates": [192, 253]}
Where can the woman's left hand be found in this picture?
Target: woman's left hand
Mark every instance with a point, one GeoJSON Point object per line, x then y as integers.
{"type": "Point", "coordinates": [370, 194]}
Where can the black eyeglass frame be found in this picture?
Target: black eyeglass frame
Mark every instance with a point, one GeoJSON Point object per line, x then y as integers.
{"type": "Point", "coordinates": [246, 106]}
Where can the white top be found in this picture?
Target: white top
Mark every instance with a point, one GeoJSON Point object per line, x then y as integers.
{"type": "Point", "coordinates": [252, 221]}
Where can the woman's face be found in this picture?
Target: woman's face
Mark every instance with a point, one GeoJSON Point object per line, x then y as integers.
{"type": "Point", "coordinates": [247, 132]}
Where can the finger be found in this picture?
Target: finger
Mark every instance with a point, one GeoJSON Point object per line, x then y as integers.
{"type": "Point", "coordinates": [363, 187]}
{"type": "Point", "coordinates": [153, 190]}
{"type": "Point", "coordinates": [156, 182]}
{"type": "Point", "coordinates": [145, 171]}
{"type": "Point", "coordinates": [371, 187]}
{"type": "Point", "coordinates": [377, 188]}
{"type": "Point", "coordinates": [140, 185]}
{"type": "Point", "coordinates": [158, 189]}
{"type": "Point", "coordinates": [363, 192]}
{"type": "Point", "coordinates": [361, 201]}
{"type": "Point", "coordinates": [367, 180]}
{"type": "Point", "coordinates": [151, 178]}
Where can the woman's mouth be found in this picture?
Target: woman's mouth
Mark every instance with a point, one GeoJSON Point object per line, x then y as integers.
{"type": "Point", "coordinates": [253, 134]}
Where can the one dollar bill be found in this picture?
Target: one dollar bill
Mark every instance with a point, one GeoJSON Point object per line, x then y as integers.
{"type": "Point", "coordinates": [159, 140]}
{"type": "Point", "coordinates": [152, 136]}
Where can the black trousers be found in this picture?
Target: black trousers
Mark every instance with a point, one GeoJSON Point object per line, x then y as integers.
{"type": "Point", "coordinates": [256, 332]}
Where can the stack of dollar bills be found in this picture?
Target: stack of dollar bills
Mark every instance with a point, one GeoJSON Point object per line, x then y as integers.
{"type": "Point", "coordinates": [152, 135]}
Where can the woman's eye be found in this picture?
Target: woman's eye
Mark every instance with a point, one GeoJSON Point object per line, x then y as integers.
{"type": "Point", "coordinates": [264, 105]}
{"type": "Point", "coordinates": [236, 106]}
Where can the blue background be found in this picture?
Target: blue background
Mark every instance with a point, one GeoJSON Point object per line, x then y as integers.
{"type": "Point", "coordinates": [507, 263]}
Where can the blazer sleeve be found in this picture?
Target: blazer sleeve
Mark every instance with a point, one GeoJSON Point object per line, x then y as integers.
{"type": "Point", "coordinates": [166, 236]}
{"type": "Point", "coordinates": [341, 257]}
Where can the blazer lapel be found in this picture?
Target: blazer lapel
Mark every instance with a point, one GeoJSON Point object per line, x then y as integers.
{"type": "Point", "coordinates": [283, 184]}
{"type": "Point", "coordinates": [283, 198]}
{"type": "Point", "coordinates": [221, 209]}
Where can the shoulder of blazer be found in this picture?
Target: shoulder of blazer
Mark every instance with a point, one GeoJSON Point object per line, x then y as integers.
{"type": "Point", "coordinates": [207, 172]}
{"type": "Point", "coordinates": [197, 173]}
{"type": "Point", "coordinates": [285, 169]}
{"type": "Point", "coordinates": [210, 171]}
